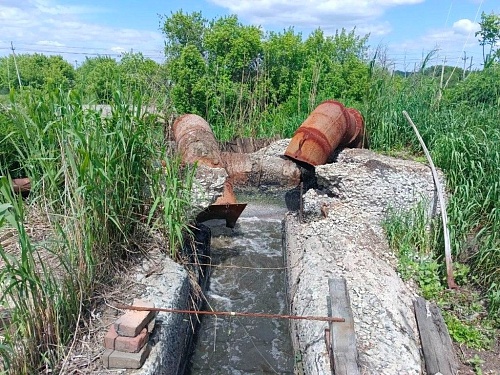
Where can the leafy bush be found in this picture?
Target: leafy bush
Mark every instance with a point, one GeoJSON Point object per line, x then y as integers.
{"type": "Point", "coordinates": [36, 71]}
{"type": "Point", "coordinates": [479, 88]}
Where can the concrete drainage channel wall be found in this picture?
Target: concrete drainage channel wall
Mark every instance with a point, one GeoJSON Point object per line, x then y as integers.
{"type": "Point", "coordinates": [337, 234]}
{"type": "Point", "coordinates": [340, 236]}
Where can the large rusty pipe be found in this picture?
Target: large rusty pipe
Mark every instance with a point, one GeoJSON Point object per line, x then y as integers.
{"type": "Point", "coordinates": [196, 143]}
{"type": "Point", "coordinates": [258, 169]}
{"type": "Point", "coordinates": [329, 126]}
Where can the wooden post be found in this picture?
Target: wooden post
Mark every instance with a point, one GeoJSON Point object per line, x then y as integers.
{"type": "Point", "coordinates": [343, 338]}
{"type": "Point", "coordinates": [437, 347]}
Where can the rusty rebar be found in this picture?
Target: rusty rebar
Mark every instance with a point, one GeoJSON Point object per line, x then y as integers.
{"type": "Point", "coordinates": [231, 313]}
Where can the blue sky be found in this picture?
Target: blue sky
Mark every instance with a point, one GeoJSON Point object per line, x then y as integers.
{"type": "Point", "coordinates": [406, 29]}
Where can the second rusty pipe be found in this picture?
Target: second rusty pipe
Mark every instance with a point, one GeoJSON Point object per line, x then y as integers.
{"type": "Point", "coordinates": [196, 141]}
{"type": "Point", "coordinates": [329, 126]}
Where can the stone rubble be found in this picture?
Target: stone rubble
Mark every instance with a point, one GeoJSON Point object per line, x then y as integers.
{"type": "Point", "coordinates": [342, 236]}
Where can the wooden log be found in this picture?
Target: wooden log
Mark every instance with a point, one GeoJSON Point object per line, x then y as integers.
{"type": "Point", "coordinates": [343, 338]}
{"type": "Point", "coordinates": [437, 347]}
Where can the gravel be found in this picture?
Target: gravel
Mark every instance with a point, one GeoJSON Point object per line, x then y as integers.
{"type": "Point", "coordinates": [342, 236]}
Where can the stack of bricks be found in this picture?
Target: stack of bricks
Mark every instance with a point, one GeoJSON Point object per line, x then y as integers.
{"type": "Point", "coordinates": [126, 341]}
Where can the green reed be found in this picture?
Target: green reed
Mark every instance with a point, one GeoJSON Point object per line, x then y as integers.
{"type": "Point", "coordinates": [92, 178]}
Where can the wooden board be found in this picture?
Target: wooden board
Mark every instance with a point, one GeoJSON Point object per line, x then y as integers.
{"type": "Point", "coordinates": [437, 347]}
{"type": "Point", "coordinates": [343, 338]}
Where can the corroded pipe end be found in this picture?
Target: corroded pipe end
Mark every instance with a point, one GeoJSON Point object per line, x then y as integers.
{"type": "Point", "coordinates": [329, 126]}
{"type": "Point", "coordinates": [196, 141]}
{"type": "Point", "coordinates": [319, 134]}
{"type": "Point", "coordinates": [21, 185]}
{"type": "Point", "coordinates": [225, 207]}
{"type": "Point", "coordinates": [229, 212]}
{"type": "Point", "coordinates": [227, 196]}
{"type": "Point", "coordinates": [355, 139]}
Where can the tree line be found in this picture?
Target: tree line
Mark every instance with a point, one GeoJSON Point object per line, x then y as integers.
{"type": "Point", "coordinates": [231, 73]}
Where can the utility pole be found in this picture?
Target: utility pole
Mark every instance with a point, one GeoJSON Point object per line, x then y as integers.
{"type": "Point", "coordinates": [464, 59]}
{"type": "Point", "coordinates": [442, 74]}
{"type": "Point", "coordinates": [15, 63]}
{"type": "Point", "coordinates": [8, 73]}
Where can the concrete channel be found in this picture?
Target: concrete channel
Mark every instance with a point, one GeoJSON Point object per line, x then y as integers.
{"type": "Point", "coordinates": [337, 233]}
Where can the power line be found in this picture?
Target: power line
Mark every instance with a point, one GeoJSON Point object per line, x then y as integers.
{"type": "Point", "coordinates": [154, 54]}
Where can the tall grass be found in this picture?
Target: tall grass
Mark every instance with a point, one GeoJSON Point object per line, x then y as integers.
{"type": "Point", "coordinates": [171, 202]}
{"type": "Point", "coordinates": [92, 177]}
{"type": "Point", "coordinates": [41, 306]}
{"type": "Point", "coordinates": [414, 236]}
{"type": "Point", "coordinates": [463, 140]}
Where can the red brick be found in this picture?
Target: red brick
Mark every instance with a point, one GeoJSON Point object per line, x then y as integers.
{"type": "Point", "coordinates": [109, 339]}
{"type": "Point", "coordinates": [132, 322]}
{"type": "Point", "coordinates": [116, 359]}
{"type": "Point", "coordinates": [125, 344]}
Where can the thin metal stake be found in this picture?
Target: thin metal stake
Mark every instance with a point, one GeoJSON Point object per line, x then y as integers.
{"type": "Point", "coordinates": [444, 216]}
{"type": "Point", "coordinates": [301, 202]}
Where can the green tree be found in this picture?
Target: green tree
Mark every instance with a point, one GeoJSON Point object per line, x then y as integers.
{"type": "Point", "coordinates": [36, 71]}
{"type": "Point", "coordinates": [189, 75]}
{"type": "Point", "coordinates": [232, 46]}
{"type": "Point", "coordinates": [182, 29]}
{"type": "Point", "coordinates": [97, 78]}
{"type": "Point", "coordinates": [490, 35]}
{"type": "Point", "coordinates": [143, 75]}
{"type": "Point", "coordinates": [283, 60]}
{"type": "Point", "coordinates": [334, 68]}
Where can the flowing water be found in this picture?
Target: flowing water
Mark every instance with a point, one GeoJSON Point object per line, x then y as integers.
{"type": "Point", "coordinates": [247, 276]}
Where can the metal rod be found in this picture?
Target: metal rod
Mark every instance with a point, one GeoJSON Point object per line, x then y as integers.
{"type": "Point", "coordinates": [444, 216]}
{"type": "Point", "coordinates": [301, 202]}
{"type": "Point", "coordinates": [232, 313]}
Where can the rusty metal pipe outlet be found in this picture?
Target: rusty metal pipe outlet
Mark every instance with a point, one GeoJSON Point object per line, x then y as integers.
{"type": "Point", "coordinates": [196, 143]}
{"type": "Point", "coordinates": [329, 126]}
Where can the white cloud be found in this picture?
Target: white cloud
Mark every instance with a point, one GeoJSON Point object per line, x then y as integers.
{"type": "Point", "coordinates": [466, 27]}
{"type": "Point", "coordinates": [49, 26]}
{"type": "Point", "coordinates": [51, 7]}
{"type": "Point", "coordinates": [118, 49]}
{"type": "Point", "coordinates": [330, 15]}
{"type": "Point", "coordinates": [50, 43]}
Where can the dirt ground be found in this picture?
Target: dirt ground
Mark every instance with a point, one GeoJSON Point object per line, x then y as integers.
{"type": "Point", "coordinates": [472, 361]}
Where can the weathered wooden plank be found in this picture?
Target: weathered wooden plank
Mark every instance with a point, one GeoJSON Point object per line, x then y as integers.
{"type": "Point", "coordinates": [343, 338]}
{"type": "Point", "coordinates": [437, 347]}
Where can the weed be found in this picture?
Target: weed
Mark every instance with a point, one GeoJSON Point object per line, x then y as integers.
{"type": "Point", "coordinates": [465, 333]}
{"type": "Point", "coordinates": [476, 362]}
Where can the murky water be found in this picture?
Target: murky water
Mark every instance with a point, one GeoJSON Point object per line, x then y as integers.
{"type": "Point", "coordinates": [247, 276]}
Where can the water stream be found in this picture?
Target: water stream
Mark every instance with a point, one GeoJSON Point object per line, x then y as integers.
{"type": "Point", "coordinates": [247, 275]}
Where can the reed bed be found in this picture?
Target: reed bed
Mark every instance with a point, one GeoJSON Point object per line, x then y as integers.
{"type": "Point", "coordinates": [98, 180]}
